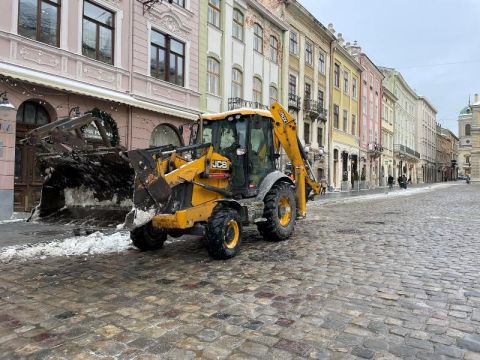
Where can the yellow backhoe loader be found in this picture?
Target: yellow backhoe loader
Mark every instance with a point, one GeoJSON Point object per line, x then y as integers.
{"type": "Point", "coordinates": [228, 177]}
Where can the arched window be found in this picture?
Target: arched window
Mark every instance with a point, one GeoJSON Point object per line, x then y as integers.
{"type": "Point", "coordinates": [257, 38]}
{"type": "Point", "coordinates": [335, 155]}
{"type": "Point", "coordinates": [257, 90]}
{"type": "Point", "coordinates": [213, 76]}
{"type": "Point", "coordinates": [237, 83]}
{"type": "Point", "coordinates": [165, 134]}
{"type": "Point", "coordinates": [273, 94]}
{"type": "Point", "coordinates": [468, 130]}
{"type": "Point", "coordinates": [32, 113]}
{"type": "Point", "coordinates": [274, 49]}
{"type": "Point", "coordinates": [237, 25]}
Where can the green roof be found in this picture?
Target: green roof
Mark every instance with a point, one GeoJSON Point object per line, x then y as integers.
{"type": "Point", "coordinates": [466, 110]}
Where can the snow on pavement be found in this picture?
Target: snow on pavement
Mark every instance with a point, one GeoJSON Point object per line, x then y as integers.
{"type": "Point", "coordinates": [96, 243]}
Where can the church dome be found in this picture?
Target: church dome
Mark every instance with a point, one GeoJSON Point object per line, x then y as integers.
{"type": "Point", "coordinates": [466, 110]}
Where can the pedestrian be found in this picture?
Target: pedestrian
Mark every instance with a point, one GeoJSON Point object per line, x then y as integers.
{"type": "Point", "coordinates": [404, 182]}
{"type": "Point", "coordinates": [323, 186]}
{"type": "Point", "coordinates": [390, 182]}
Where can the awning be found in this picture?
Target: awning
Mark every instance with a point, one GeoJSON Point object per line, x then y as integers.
{"type": "Point", "coordinates": [78, 87]}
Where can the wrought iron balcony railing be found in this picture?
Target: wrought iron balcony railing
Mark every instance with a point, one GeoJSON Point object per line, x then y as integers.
{"type": "Point", "coordinates": [294, 102]}
{"type": "Point", "coordinates": [405, 150]}
{"type": "Point", "coordinates": [237, 103]}
{"type": "Point", "coordinates": [375, 149]}
{"type": "Point", "coordinates": [315, 109]}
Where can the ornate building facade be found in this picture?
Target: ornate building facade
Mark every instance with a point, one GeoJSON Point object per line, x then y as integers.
{"type": "Point", "coordinates": [426, 139]}
{"type": "Point", "coordinates": [388, 119]}
{"type": "Point", "coordinates": [475, 159]}
{"type": "Point", "coordinates": [465, 120]}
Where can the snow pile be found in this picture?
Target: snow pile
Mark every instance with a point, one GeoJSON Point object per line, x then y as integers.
{"type": "Point", "coordinates": [96, 243]}
{"type": "Point", "coordinates": [82, 196]}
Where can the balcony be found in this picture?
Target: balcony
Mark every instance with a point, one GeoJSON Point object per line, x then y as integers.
{"type": "Point", "coordinates": [238, 103]}
{"type": "Point", "coordinates": [294, 102]}
{"type": "Point", "coordinates": [405, 151]}
{"type": "Point", "coordinates": [314, 110]}
{"type": "Point", "coordinates": [375, 150]}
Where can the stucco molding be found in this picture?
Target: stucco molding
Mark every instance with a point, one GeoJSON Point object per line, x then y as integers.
{"type": "Point", "coordinates": [39, 57]}
{"type": "Point", "coordinates": [99, 74]}
{"type": "Point", "coordinates": [170, 23]}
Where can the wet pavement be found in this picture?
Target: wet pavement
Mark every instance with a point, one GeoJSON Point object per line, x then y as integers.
{"type": "Point", "coordinates": [382, 278]}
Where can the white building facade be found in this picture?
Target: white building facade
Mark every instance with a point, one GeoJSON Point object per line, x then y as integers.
{"type": "Point", "coordinates": [426, 140]}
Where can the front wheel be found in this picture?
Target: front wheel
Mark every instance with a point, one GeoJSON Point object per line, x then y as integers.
{"type": "Point", "coordinates": [280, 211]}
{"type": "Point", "coordinates": [224, 233]}
{"type": "Point", "coordinates": [147, 237]}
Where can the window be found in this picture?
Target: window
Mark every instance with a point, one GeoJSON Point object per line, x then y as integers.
{"type": "Point", "coordinates": [237, 83]}
{"type": "Point", "coordinates": [180, 3]}
{"type": "Point", "coordinates": [468, 130]}
{"type": "Point", "coordinates": [293, 43]}
{"type": "Point", "coordinates": [292, 85]}
{"type": "Point", "coordinates": [336, 75]}
{"type": "Point", "coordinates": [320, 97]}
{"type": "Point", "coordinates": [345, 120]}
{"type": "Point", "coordinates": [214, 12]}
{"type": "Point", "coordinates": [213, 76]}
{"type": "Point", "coordinates": [258, 38]}
{"type": "Point", "coordinates": [273, 94]}
{"type": "Point", "coordinates": [165, 134]}
{"type": "Point", "coordinates": [354, 88]}
{"type": "Point", "coordinates": [237, 25]}
{"type": "Point", "coordinates": [321, 62]}
{"type": "Point", "coordinates": [167, 58]}
{"type": "Point", "coordinates": [257, 90]}
{"type": "Point", "coordinates": [306, 133]}
{"type": "Point", "coordinates": [320, 137]}
{"type": "Point", "coordinates": [32, 113]}
{"type": "Point", "coordinates": [308, 91]}
{"type": "Point", "coordinates": [354, 124]}
{"type": "Point", "coordinates": [308, 54]}
{"type": "Point", "coordinates": [98, 33]}
{"type": "Point", "coordinates": [346, 80]}
{"type": "Point", "coordinates": [40, 20]}
{"type": "Point", "coordinates": [273, 49]}
{"type": "Point", "coordinates": [336, 115]}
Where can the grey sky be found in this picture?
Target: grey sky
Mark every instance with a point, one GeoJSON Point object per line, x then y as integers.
{"type": "Point", "coordinates": [412, 36]}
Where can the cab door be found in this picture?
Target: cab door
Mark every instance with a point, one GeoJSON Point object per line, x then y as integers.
{"type": "Point", "coordinates": [260, 150]}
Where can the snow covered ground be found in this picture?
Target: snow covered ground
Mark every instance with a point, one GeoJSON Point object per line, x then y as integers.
{"type": "Point", "coordinates": [96, 243]}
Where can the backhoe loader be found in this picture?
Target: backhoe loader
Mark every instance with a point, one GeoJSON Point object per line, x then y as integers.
{"type": "Point", "coordinates": [226, 178]}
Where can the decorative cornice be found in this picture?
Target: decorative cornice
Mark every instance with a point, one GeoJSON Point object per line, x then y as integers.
{"type": "Point", "coordinates": [169, 22]}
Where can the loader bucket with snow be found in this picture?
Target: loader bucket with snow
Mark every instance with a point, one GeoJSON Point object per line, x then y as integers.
{"type": "Point", "coordinates": [92, 188]}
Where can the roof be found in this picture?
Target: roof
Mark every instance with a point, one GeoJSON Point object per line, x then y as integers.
{"type": "Point", "coordinates": [466, 110]}
{"type": "Point", "coordinates": [82, 88]}
{"type": "Point", "coordinates": [241, 111]}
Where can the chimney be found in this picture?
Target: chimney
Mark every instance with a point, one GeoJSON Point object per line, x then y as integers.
{"type": "Point", "coordinates": [475, 99]}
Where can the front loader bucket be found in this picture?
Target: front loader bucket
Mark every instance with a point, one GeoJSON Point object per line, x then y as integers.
{"type": "Point", "coordinates": [90, 187]}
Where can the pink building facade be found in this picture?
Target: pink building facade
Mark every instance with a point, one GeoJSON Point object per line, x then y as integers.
{"type": "Point", "coordinates": [370, 139]}
{"type": "Point", "coordinates": [139, 66]}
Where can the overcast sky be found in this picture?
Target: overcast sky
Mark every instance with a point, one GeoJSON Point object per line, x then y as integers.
{"type": "Point", "coordinates": [435, 44]}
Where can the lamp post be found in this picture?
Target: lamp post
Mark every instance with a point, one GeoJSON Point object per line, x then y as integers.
{"type": "Point", "coordinates": [4, 103]}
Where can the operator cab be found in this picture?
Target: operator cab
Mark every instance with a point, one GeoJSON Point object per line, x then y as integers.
{"type": "Point", "coordinates": [246, 139]}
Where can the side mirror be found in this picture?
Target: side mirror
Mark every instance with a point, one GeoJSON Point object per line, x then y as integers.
{"type": "Point", "coordinates": [241, 151]}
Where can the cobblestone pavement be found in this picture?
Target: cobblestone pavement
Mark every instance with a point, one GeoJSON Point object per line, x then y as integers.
{"type": "Point", "coordinates": [383, 279]}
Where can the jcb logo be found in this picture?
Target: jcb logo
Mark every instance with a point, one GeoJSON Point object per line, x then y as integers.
{"type": "Point", "coordinates": [284, 117]}
{"type": "Point", "coordinates": [220, 164]}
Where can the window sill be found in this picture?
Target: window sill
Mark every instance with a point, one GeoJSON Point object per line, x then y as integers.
{"type": "Point", "coordinates": [258, 52]}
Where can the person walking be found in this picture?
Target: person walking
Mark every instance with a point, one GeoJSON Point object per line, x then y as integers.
{"type": "Point", "coordinates": [390, 182]}
{"type": "Point", "coordinates": [404, 182]}
{"type": "Point", "coordinates": [323, 186]}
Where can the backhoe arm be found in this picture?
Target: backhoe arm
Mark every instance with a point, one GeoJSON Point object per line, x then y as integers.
{"type": "Point", "coordinates": [285, 130]}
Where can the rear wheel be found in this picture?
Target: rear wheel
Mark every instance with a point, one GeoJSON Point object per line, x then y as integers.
{"type": "Point", "coordinates": [224, 233]}
{"type": "Point", "coordinates": [280, 211]}
{"type": "Point", "coordinates": [147, 237]}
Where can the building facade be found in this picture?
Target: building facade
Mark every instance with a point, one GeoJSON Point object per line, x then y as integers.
{"type": "Point", "coordinates": [406, 157]}
{"type": "Point", "coordinates": [308, 83]}
{"type": "Point", "coordinates": [242, 51]}
{"type": "Point", "coordinates": [453, 141]}
{"type": "Point", "coordinates": [370, 139]}
{"type": "Point", "coordinates": [140, 68]}
{"type": "Point", "coordinates": [465, 119]}
{"type": "Point", "coordinates": [443, 155]}
{"type": "Point", "coordinates": [388, 119]}
{"type": "Point", "coordinates": [345, 75]}
{"type": "Point", "coordinates": [426, 140]}
{"type": "Point", "coordinates": [475, 151]}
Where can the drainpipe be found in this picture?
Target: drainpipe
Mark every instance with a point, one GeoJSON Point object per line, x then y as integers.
{"type": "Point", "coordinates": [331, 160]}
{"type": "Point", "coordinates": [130, 77]}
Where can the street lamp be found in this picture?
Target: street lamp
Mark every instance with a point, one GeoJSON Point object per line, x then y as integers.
{"type": "Point", "coordinates": [4, 103]}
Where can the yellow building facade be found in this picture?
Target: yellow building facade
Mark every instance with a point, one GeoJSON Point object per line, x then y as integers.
{"type": "Point", "coordinates": [344, 121]}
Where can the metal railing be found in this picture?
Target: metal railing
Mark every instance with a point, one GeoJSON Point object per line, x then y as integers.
{"type": "Point", "coordinates": [294, 102]}
{"type": "Point", "coordinates": [405, 150]}
{"type": "Point", "coordinates": [315, 108]}
{"type": "Point", "coordinates": [237, 103]}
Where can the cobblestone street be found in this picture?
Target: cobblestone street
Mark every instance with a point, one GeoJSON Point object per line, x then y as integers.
{"type": "Point", "coordinates": [379, 278]}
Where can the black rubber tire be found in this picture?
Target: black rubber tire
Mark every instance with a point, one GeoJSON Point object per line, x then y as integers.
{"type": "Point", "coordinates": [147, 237]}
{"type": "Point", "coordinates": [272, 229]}
{"type": "Point", "coordinates": [217, 227]}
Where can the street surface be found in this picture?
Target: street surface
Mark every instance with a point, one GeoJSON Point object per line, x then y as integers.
{"type": "Point", "coordinates": [379, 278]}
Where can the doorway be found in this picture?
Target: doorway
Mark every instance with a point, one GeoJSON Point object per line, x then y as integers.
{"type": "Point", "coordinates": [27, 179]}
